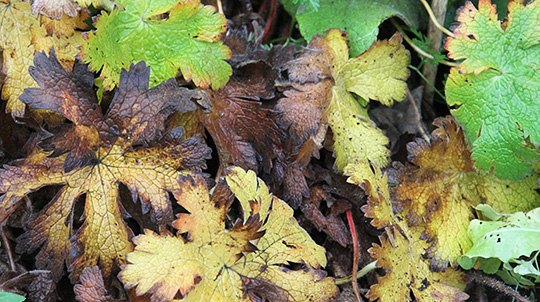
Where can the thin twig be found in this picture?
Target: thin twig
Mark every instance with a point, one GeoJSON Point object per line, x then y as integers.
{"type": "Point", "coordinates": [356, 254]}
{"type": "Point", "coordinates": [417, 114]}
{"type": "Point", "coordinates": [220, 7]}
{"type": "Point", "coordinates": [361, 273]}
{"type": "Point", "coordinates": [496, 284]}
{"type": "Point", "coordinates": [434, 19]}
{"type": "Point", "coordinates": [7, 246]}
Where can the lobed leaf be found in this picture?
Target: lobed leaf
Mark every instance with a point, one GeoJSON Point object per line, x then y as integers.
{"type": "Point", "coordinates": [324, 80]}
{"type": "Point", "coordinates": [401, 252]}
{"type": "Point", "coordinates": [494, 90]}
{"type": "Point", "coordinates": [439, 190]}
{"type": "Point", "coordinates": [128, 146]}
{"type": "Point", "coordinates": [22, 35]}
{"type": "Point", "coordinates": [242, 263]}
{"type": "Point", "coordinates": [187, 40]}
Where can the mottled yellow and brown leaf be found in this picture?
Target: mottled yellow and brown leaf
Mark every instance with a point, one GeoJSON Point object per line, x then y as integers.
{"type": "Point", "coordinates": [323, 83]}
{"type": "Point", "coordinates": [221, 263]}
{"type": "Point", "coordinates": [22, 35]}
{"type": "Point", "coordinates": [126, 146]}
{"type": "Point", "coordinates": [440, 189]}
{"type": "Point", "coordinates": [401, 252]}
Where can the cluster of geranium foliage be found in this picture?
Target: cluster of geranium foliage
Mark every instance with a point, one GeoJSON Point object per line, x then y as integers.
{"type": "Point", "coordinates": [171, 152]}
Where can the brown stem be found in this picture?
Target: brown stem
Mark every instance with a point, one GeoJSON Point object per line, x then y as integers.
{"type": "Point", "coordinates": [434, 34]}
{"type": "Point", "coordinates": [7, 246]}
{"type": "Point", "coordinates": [417, 114]}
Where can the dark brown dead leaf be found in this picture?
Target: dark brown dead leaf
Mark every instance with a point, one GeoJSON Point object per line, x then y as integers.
{"type": "Point", "coordinates": [137, 114]}
{"type": "Point", "coordinates": [42, 288]}
{"type": "Point", "coordinates": [330, 223]}
{"type": "Point", "coordinates": [243, 130]}
{"type": "Point", "coordinates": [91, 288]}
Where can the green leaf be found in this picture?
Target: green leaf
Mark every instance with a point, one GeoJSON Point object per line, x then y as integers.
{"type": "Point", "coordinates": [360, 18]}
{"type": "Point", "coordinates": [11, 297]}
{"type": "Point", "coordinates": [496, 90]}
{"type": "Point", "coordinates": [309, 4]}
{"type": "Point", "coordinates": [517, 235]}
{"type": "Point", "coordinates": [167, 35]}
{"type": "Point", "coordinates": [487, 212]}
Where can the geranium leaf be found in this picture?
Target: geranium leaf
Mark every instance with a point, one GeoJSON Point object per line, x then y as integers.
{"type": "Point", "coordinates": [187, 40]}
{"type": "Point", "coordinates": [344, 14]}
{"type": "Point", "coordinates": [146, 161]}
{"type": "Point", "coordinates": [22, 35]}
{"type": "Point", "coordinates": [494, 90]}
{"type": "Point", "coordinates": [229, 263]}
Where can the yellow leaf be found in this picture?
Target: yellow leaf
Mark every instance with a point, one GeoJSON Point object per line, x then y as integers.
{"type": "Point", "coordinates": [224, 263]}
{"type": "Point", "coordinates": [401, 255]}
{"type": "Point", "coordinates": [22, 35]}
{"type": "Point", "coordinates": [440, 189]}
{"type": "Point", "coordinates": [377, 74]}
{"type": "Point", "coordinates": [375, 184]}
{"type": "Point", "coordinates": [356, 138]}
{"type": "Point", "coordinates": [324, 83]}
{"type": "Point", "coordinates": [91, 157]}
{"type": "Point", "coordinates": [401, 252]}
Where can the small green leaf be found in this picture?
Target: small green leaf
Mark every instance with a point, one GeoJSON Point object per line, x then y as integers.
{"type": "Point", "coordinates": [487, 212]}
{"type": "Point", "coordinates": [167, 35]}
{"type": "Point", "coordinates": [11, 297]}
{"type": "Point", "coordinates": [517, 235]}
{"type": "Point", "coordinates": [360, 18]}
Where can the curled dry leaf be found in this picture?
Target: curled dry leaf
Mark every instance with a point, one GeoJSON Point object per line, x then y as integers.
{"type": "Point", "coordinates": [245, 262]}
{"type": "Point", "coordinates": [127, 145]}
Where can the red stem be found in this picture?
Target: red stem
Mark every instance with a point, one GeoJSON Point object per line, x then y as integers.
{"type": "Point", "coordinates": [356, 253]}
{"type": "Point", "coordinates": [271, 17]}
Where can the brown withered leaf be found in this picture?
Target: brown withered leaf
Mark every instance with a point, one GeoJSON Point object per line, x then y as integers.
{"type": "Point", "coordinates": [127, 145]}
{"type": "Point", "coordinates": [438, 192]}
{"type": "Point", "coordinates": [35, 285]}
{"type": "Point", "coordinates": [242, 128]}
{"type": "Point", "coordinates": [330, 223]}
{"type": "Point", "coordinates": [301, 113]}
{"type": "Point", "coordinates": [92, 288]}
{"type": "Point", "coordinates": [42, 288]}
{"type": "Point", "coordinates": [243, 131]}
